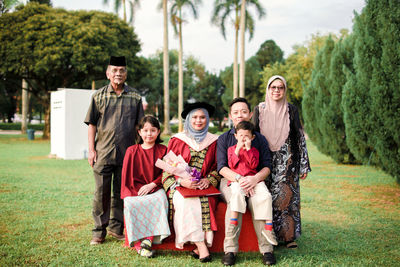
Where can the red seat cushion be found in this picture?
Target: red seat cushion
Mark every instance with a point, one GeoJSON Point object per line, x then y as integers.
{"type": "Point", "coordinates": [247, 240]}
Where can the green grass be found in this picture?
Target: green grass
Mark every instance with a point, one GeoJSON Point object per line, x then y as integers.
{"type": "Point", "coordinates": [350, 215]}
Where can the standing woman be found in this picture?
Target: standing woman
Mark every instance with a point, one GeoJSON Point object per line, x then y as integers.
{"type": "Point", "coordinates": [279, 122]}
{"type": "Point", "coordinates": [194, 217]}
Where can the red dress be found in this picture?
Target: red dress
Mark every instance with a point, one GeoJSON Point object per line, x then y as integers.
{"type": "Point", "coordinates": [139, 169]}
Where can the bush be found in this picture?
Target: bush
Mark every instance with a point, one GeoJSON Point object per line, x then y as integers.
{"type": "Point", "coordinates": [322, 112]}
{"type": "Point", "coordinates": [371, 101]}
{"type": "Point", "coordinates": [17, 126]}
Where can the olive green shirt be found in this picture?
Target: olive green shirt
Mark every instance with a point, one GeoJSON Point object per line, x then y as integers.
{"type": "Point", "coordinates": [115, 117]}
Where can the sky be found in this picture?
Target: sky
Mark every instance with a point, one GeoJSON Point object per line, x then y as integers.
{"type": "Point", "coordinates": [288, 23]}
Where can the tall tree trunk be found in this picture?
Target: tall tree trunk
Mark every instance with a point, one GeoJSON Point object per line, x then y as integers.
{"type": "Point", "coordinates": [235, 65]}
{"type": "Point", "coordinates": [25, 105]}
{"type": "Point", "coordinates": [167, 128]}
{"type": "Point", "coordinates": [124, 6]}
{"type": "Point", "coordinates": [180, 79]}
{"type": "Point", "coordinates": [46, 107]}
{"type": "Point", "coordinates": [242, 58]}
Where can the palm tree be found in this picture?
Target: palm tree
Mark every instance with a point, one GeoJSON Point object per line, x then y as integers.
{"type": "Point", "coordinates": [223, 9]}
{"type": "Point", "coordinates": [242, 58]}
{"type": "Point", "coordinates": [133, 4]}
{"type": "Point", "coordinates": [167, 129]}
{"type": "Point", "coordinates": [177, 20]}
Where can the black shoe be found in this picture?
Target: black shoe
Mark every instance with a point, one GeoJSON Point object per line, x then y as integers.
{"type": "Point", "coordinates": [206, 259]}
{"type": "Point", "coordinates": [229, 259]}
{"type": "Point", "coordinates": [269, 258]}
{"type": "Point", "coordinates": [194, 254]}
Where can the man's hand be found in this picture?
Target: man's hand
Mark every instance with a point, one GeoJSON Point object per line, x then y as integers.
{"type": "Point", "coordinates": [92, 157]}
{"type": "Point", "coordinates": [144, 190]}
{"type": "Point", "coordinates": [248, 183]}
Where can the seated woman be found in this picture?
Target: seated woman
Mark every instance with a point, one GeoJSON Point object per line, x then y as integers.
{"type": "Point", "coordinates": [145, 202]}
{"type": "Point", "coordinates": [194, 217]}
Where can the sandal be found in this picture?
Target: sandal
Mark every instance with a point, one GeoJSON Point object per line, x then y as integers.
{"type": "Point", "coordinates": [291, 244]}
{"type": "Point", "coordinates": [144, 252]}
{"type": "Point", "coordinates": [145, 249]}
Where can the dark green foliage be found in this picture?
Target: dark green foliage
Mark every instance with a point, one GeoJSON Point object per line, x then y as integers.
{"type": "Point", "coordinates": [269, 53]}
{"type": "Point", "coordinates": [314, 96]}
{"type": "Point", "coordinates": [8, 96]}
{"type": "Point", "coordinates": [17, 126]}
{"type": "Point", "coordinates": [46, 2]}
{"type": "Point", "coordinates": [372, 95]}
{"type": "Point", "coordinates": [322, 112]}
{"type": "Point", "coordinates": [53, 48]}
{"type": "Point", "coordinates": [334, 128]}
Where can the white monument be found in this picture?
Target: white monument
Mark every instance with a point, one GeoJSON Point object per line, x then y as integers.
{"type": "Point", "coordinates": [68, 133]}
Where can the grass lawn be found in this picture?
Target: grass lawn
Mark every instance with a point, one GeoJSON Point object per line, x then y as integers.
{"type": "Point", "coordinates": [350, 215]}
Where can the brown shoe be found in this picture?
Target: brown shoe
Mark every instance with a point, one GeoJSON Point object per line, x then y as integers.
{"type": "Point", "coordinates": [117, 236]}
{"type": "Point", "coordinates": [97, 241]}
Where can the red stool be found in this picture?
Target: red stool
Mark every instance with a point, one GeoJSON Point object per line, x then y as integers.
{"type": "Point", "coordinates": [247, 239]}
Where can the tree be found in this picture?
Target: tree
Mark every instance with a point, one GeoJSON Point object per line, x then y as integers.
{"type": "Point", "coordinates": [253, 77]}
{"type": "Point", "coordinates": [7, 5]}
{"type": "Point", "coordinates": [8, 91]}
{"type": "Point", "coordinates": [210, 89]}
{"type": "Point", "coordinates": [246, 21]}
{"type": "Point", "coordinates": [150, 85]}
{"type": "Point", "coordinates": [177, 19]}
{"type": "Point", "coordinates": [9, 87]}
{"type": "Point", "coordinates": [334, 126]}
{"type": "Point", "coordinates": [322, 112]}
{"type": "Point", "coordinates": [56, 48]}
{"type": "Point", "coordinates": [45, 2]}
{"type": "Point", "coordinates": [371, 101]}
{"type": "Point", "coordinates": [167, 128]}
{"type": "Point", "coordinates": [269, 53]}
{"type": "Point", "coordinates": [133, 5]}
{"type": "Point", "coordinates": [222, 12]}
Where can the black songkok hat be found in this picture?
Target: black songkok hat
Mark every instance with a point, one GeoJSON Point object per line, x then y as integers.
{"type": "Point", "coordinates": [117, 61]}
{"type": "Point", "coordinates": [190, 107]}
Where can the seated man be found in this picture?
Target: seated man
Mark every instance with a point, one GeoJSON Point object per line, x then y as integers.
{"type": "Point", "coordinates": [240, 110]}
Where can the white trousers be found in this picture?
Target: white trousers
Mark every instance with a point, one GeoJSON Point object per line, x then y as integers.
{"type": "Point", "coordinates": [260, 203]}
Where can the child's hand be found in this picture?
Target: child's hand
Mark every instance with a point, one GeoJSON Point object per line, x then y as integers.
{"type": "Point", "coordinates": [239, 146]}
{"type": "Point", "coordinates": [144, 190]}
{"type": "Point", "coordinates": [247, 144]}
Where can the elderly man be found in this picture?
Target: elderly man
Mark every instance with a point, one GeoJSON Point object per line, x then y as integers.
{"type": "Point", "coordinates": [112, 117]}
{"type": "Point", "coordinates": [240, 111]}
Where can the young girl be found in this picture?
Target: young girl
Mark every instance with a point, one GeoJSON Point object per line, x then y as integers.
{"type": "Point", "coordinates": [145, 202]}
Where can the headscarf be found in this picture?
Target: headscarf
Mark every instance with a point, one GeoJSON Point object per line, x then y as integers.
{"type": "Point", "coordinates": [274, 117]}
{"type": "Point", "coordinates": [198, 136]}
